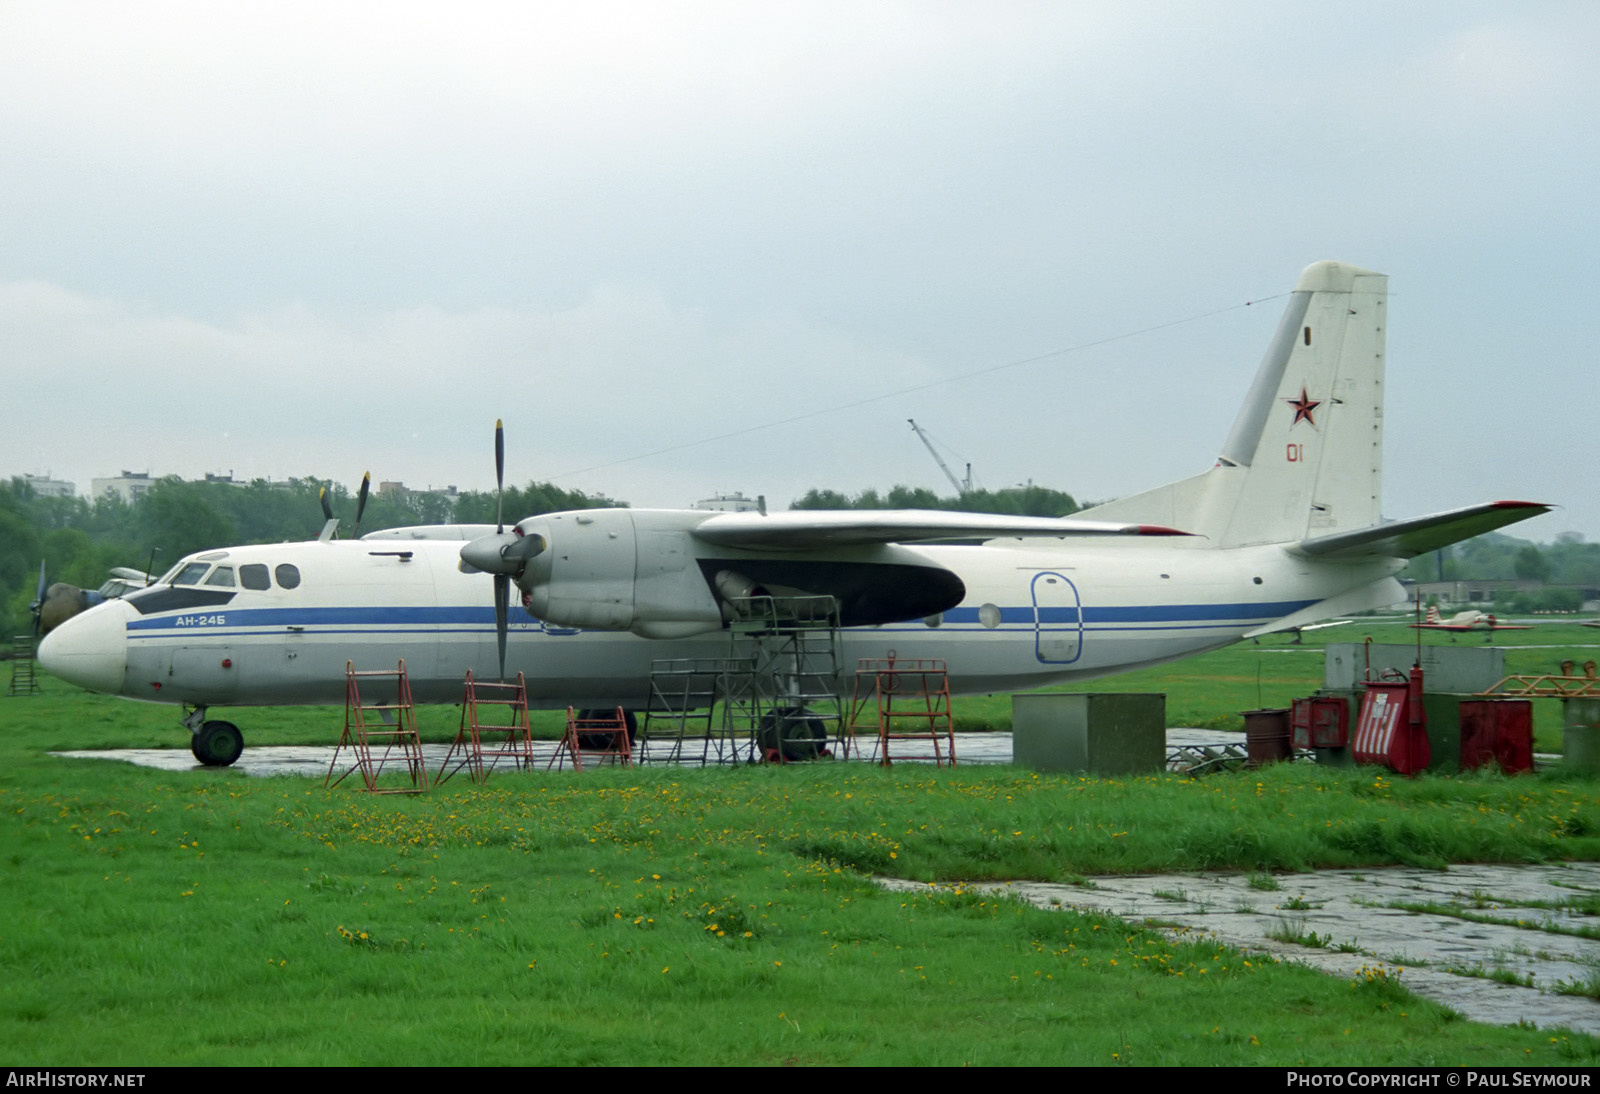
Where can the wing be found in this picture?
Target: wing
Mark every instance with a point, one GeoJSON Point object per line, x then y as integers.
{"type": "Point", "coordinates": [1419, 535]}
{"type": "Point", "coordinates": [801, 529]}
{"type": "Point", "coordinates": [463, 532]}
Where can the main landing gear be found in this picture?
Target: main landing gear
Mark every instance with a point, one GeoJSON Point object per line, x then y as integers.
{"type": "Point", "coordinates": [214, 743]}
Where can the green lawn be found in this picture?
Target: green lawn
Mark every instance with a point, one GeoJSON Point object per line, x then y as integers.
{"type": "Point", "coordinates": [716, 916]}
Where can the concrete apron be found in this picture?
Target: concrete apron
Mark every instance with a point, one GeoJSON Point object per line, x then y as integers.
{"type": "Point", "coordinates": [1446, 958]}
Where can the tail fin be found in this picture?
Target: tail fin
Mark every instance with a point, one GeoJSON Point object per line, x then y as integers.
{"type": "Point", "coordinates": [1305, 455]}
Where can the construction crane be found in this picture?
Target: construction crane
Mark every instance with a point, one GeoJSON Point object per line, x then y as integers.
{"type": "Point", "coordinates": [963, 487]}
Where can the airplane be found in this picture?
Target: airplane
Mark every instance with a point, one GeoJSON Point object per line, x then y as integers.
{"type": "Point", "coordinates": [1282, 531]}
{"type": "Point", "coordinates": [1469, 620]}
{"type": "Point", "coordinates": [60, 601]}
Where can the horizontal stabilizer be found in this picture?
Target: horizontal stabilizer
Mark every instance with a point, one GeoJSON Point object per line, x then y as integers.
{"type": "Point", "coordinates": [1419, 535]}
{"type": "Point", "coordinates": [800, 529]}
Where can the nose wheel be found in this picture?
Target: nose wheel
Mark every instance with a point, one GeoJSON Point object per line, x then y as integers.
{"type": "Point", "coordinates": [217, 744]}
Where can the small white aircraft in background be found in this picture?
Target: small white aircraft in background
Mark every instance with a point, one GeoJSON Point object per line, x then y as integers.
{"type": "Point", "coordinates": [1282, 532]}
{"type": "Point", "coordinates": [1469, 620]}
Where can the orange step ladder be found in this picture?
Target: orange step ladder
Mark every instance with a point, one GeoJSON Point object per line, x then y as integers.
{"type": "Point", "coordinates": [903, 699]}
{"type": "Point", "coordinates": [477, 741]}
{"type": "Point", "coordinates": [392, 740]}
{"type": "Point", "coordinates": [598, 735]}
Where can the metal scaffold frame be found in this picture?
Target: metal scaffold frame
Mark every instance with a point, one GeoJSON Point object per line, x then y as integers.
{"type": "Point", "coordinates": [902, 699]}
{"type": "Point", "coordinates": [793, 698]}
{"type": "Point", "coordinates": [774, 698]}
{"type": "Point", "coordinates": [23, 679]}
{"type": "Point", "coordinates": [396, 734]}
{"type": "Point", "coordinates": [477, 741]}
{"type": "Point", "coordinates": [700, 700]}
{"type": "Point", "coordinates": [1566, 684]}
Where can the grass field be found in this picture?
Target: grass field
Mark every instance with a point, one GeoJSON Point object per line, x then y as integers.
{"type": "Point", "coordinates": [719, 916]}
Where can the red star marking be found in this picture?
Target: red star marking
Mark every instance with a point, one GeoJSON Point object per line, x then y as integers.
{"type": "Point", "coordinates": [1303, 407]}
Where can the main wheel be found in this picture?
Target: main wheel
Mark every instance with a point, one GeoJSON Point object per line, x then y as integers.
{"type": "Point", "coordinates": [217, 744]}
{"type": "Point", "coordinates": [793, 733]}
{"type": "Point", "coordinates": [598, 739]}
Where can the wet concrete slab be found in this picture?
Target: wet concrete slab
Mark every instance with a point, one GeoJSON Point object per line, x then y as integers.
{"type": "Point", "coordinates": [314, 760]}
{"type": "Point", "coordinates": [1482, 921]}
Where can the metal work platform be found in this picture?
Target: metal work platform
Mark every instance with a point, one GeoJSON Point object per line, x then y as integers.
{"type": "Point", "coordinates": [774, 698]}
{"type": "Point", "coordinates": [900, 699]}
{"type": "Point", "coordinates": [23, 679]}
{"type": "Point", "coordinates": [1565, 684]}
{"type": "Point", "coordinates": [391, 740]}
{"type": "Point", "coordinates": [510, 740]}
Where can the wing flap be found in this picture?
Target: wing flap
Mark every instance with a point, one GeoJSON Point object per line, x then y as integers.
{"type": "Point", "coordinates": [1419, 535]}
{"type": "Point", "coordinates": [804, 529]}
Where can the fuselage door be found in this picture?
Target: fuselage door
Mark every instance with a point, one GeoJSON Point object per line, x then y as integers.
{"type": "Point", "coordinates": [1057, 619]}
{"type": "Point", "coordinates": [203, 674]}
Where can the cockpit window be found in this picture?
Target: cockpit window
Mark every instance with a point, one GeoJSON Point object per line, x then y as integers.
{"type": "Point", "coordinates": [288, 575]}
{"type": "Point", "coordinates": [254, 576]}
{"type": "Point", "coordinates": [192, 573]}
{"type": "Point", "coordinates": [222, 577]}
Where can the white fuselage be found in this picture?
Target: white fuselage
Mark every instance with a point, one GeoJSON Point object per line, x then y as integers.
{"type": "Point", "coordinates": [1035, 612]}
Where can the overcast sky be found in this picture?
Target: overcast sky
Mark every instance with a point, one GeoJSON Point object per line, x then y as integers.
{"type": "Point", "coordinates": [686, 248]}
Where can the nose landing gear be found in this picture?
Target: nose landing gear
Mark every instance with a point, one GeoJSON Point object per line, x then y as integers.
{"type": "Point", "coordinates": [214, 743]}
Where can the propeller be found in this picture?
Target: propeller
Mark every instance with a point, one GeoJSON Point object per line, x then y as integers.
{"type": "Point", "coordinates": [502, 581]}
{"type": "Point", "coordinates": [330, 526]}
{"type": "Point", "coordinates": [361, 503]}
{"type": "Point", "coordinates": [504, 554]}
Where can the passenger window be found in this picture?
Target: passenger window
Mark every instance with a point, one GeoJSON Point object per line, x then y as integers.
{"type": "Point", "coordinates": [254, 576]}
{"type": "Point", "coordinates": [192, 573]}
{"type": "Point", "coordinates": [288, 576]}
{"type": "Point", "coordinates": [222, 577]}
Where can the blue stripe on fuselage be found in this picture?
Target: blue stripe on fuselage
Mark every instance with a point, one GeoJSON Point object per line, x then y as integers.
{"type": "Point", "coordinates": [1154, 613]}
{"type": "Point", "coordinates": [472, 618]}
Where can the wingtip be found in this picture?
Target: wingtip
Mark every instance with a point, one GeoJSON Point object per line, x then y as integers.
{"type": "Point", "coordinates": [1160, 530]}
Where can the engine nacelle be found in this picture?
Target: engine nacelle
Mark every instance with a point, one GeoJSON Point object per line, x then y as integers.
{"type": "Point", "coordinates": [618, 570]}
{"type": "Point", "coordinates": [644, 571]}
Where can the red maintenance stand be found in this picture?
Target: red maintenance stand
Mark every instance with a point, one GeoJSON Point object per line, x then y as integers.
{"type": "Point", "coordinates": [1393, 729]}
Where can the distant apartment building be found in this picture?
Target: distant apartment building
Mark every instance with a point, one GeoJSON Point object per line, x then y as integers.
{"type": "Point", "coordinates": [44, 486]}
{"type": "Point", "coordinates": [399, 491]}
{"type": "Point", "coordinates": [130, 486]}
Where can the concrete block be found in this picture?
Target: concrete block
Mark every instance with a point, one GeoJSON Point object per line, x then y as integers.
{"type": "Point", "coordinates": [1096, 734]}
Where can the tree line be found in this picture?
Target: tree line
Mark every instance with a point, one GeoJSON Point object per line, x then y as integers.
{"type": "Point", "coordinates": [80, 539]}
{"type": "Point", "coordinates": [1014, 501]}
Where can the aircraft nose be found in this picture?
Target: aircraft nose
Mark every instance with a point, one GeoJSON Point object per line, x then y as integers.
{"type": "Point", "coordinates": [90, 649]}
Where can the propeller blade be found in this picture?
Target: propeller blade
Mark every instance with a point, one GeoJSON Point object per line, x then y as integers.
{"type": "Point", "coordinates": [327, 509]}
{"type": "Point", "coordinates": [361, 504]}
{"type": "Point", "coordinates": [499, 476]}
{"type": "Point", "coordinates": [502, 594]}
